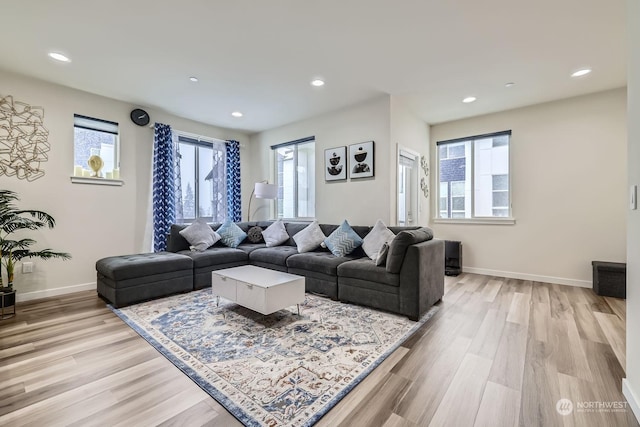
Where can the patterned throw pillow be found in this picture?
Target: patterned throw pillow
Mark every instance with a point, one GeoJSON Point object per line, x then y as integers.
{"type": "Point", "coordinates": [309, 238]}
{"type": "Point", "coordinates": [254, 235]}
{"type": "Point", "coordinates": [230, 234]}
{"type": "Point", "coordinates": [343, 240]}
{"type": "Point", "coordinates": [199, 235]}
{"type": "Point", "coordinates": [275, 234]}
{"type": "Point", "coordinates": [377, 237]}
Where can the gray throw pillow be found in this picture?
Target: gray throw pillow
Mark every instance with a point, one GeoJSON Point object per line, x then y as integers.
{"type": "Point", "coordinates": [398, 246]}
{"type": "Point", "coordinates": [382, 255]}
{"type": "Point", "coordinates": [254, 235]}
{"type": "Point", "coordinates": [200, 235]}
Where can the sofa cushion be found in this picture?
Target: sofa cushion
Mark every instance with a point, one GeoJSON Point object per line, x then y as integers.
{"type": "Point", "coordinates": [199, 235]}
{"type": "Point", "coordinates": [139, 265]}
{"type": "Point", "coordinates": [277, 255]}
{"type": "Point", "coordinates": [216, 255]}
{"type": "Point", "coordinates": [400, 243]}
{"type": "Point", "coordinates": [365, 269]}
{"type": "Point", "coordinates": [343, 240]}
{"type": "Point", "coordinates": [275, 234]}
{"type": "Point", "coordinates": [231, 235]}
{"type": "Point", "coordinates": [321, 262]}
{"type": "Point", "coordinates": [377, 237]}
{"type": "Point", "coordinates": [250, 247]}
{"type": "Point", "coordinates": [309, 238]}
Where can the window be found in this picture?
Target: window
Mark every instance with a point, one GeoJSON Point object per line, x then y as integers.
{"type": "Point", "coordinates": [473, 177]}
{"type": "Point", "coordinates": [200, 179]}
{"type": "Point", "coordinates": [295, 177]}
{"type": "Point", "coordinates": [95, 137]}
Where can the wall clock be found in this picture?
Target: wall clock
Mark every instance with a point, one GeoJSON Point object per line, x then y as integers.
{"type": "Point", "coordinates": [140, 117]}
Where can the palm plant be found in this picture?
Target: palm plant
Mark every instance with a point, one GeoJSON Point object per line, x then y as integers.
{"type": "Point", "coordinates": [12, 220]}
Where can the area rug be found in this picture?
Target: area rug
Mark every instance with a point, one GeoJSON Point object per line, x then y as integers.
{"type": "Point", "coordinates": [275, 370]}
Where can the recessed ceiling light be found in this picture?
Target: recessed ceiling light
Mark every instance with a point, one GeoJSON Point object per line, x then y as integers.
{"type": "Point", "coordinates": [236, 114]}
{"type": "Point", "coordinates": [317, 82]}
{"type": "Point", "coordinates": [581, 73]}
{"type": "Point", "coordinates": [59, 57]}
{"type": "Point", "coordinates": [469, 99]}
{"type": "Point", "coordinates": [193, 79]}
{"type": "Point", "coordinates": [509, 84]}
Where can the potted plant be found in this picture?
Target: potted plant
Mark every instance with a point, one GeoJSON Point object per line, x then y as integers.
{"type": "Point", "coordinates": [13, 219]}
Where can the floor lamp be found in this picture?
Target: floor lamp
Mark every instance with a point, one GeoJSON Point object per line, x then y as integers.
{"type": "Point", "coordinates": [262, 190]}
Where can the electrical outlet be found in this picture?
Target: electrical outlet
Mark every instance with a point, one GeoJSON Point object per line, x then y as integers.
{"type": "Point", "coordinates": [27, 267]}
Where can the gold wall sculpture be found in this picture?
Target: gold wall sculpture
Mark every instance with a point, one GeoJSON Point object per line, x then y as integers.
{"type": "Point", "coordinates": [23, 139]}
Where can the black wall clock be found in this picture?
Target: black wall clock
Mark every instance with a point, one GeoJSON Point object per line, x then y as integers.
{"type": "Point", "coordinates": [140, 117]}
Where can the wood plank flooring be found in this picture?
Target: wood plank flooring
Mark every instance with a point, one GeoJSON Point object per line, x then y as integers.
{"type": "Point", "coordinates": [499, 352]}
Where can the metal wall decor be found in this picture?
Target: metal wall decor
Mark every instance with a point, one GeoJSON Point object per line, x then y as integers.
{"type": "Point", "coordinates": [23, 139]}
{"type": "Point", "coordinates": [424, 186]}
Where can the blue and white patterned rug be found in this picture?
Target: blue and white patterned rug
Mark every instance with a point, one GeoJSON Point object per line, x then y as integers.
{"type": "Point", "coordinates": [275, 370]}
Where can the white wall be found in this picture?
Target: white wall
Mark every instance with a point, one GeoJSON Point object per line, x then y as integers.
{"type": "Point", "coordinates": [408, 131]}
{"type": "Point", "coordinates": [92, 221]}
{"type": "Point", "coordinates": [360, 201]}
{"type": "Point", "coordinates": [631, 387]}
{"type": "Point", "coordinates": [569, 197]}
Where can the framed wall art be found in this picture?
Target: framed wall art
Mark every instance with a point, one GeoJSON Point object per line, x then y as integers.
{"type": "Point", "coordinates": [361, 160]}
{"type": "Point", "coordinates": [335, 164]}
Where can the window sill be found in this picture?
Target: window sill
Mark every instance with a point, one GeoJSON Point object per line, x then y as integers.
{"type": "Point", "coordinates": [483, 221]}
{"type": "Point", "coordinates": [96, 181]}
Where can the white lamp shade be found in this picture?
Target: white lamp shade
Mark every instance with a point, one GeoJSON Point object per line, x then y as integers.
{"type": "Point", "coordinates": [266, 191]}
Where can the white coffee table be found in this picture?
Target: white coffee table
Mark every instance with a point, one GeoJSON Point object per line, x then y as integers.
{"type": "Point", "coordinates": [259, 289]}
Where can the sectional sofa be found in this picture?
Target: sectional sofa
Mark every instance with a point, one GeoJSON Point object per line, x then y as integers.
{"type": "Point", "coordinates": [411, 281]}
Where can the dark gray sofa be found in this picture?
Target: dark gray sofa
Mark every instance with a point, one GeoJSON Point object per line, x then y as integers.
{"type": "Point", "coordinates": [416, 283]}
{"type": "Point", "coordinates": [410, 283]}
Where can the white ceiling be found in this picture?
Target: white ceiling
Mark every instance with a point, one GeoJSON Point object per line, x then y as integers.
{"type": "Point", "coordinates": [259, 56]}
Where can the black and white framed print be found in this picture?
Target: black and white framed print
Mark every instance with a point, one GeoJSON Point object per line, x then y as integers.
{"type": "Point", "coordinates": [361, 160]}
{"type": "Point", "coordinates": [335, 164]}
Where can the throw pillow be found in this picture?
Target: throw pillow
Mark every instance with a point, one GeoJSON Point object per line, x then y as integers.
{"type": "Point", "coordinates": [378, 236]}
{"type": "Point", "coordinates": [382, 255]}
{"type": "Point", "coordinates": [254, 235]}
{"type": "Point", "coordinates": [199, 235]}
{"type": "Point", "coordinates": [275, 234]}
{"type": "Point", "coordinates": [309, 238]}
{"type": "Point", "coordinates": [231, 235]}
{"type": "Point", "coordinates": [343, 240]}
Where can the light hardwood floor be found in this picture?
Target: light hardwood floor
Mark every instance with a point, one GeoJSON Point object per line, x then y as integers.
{"type": "Point", "coordinates": [499, 352]}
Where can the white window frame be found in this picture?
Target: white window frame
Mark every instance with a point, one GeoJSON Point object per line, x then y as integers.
{"type": "Point", "coordinates": [294, 145]}
{"type": "Point", "coordinates": [508, 220]}
{"type": "Point", "coordinates": [197, 142]}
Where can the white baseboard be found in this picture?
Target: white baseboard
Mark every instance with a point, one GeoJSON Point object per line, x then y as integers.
{"type": "Point", "coordinates": [28, 296]}
{"type": "Point", "coordinates": [634, 404]}
{"type": "Point", "coordinates": [532, 277]}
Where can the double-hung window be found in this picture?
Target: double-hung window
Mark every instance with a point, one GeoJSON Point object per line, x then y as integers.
{"type": "Point", "coordinates": [200, 179]}
{"type": "Point", "coordinates": [473, 177]}
{"type": "Point", "coordinates": [295, 173]}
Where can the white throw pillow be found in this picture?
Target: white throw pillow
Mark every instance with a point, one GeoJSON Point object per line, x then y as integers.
{"type": "Point", "coordinates": [309, 238]}
{"type": "Point", "coordinates": [377, 237]}
{"type": "Point", "coordinates": [275, 234]}
{"type": "Point", "coordinates": [200, 235]}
